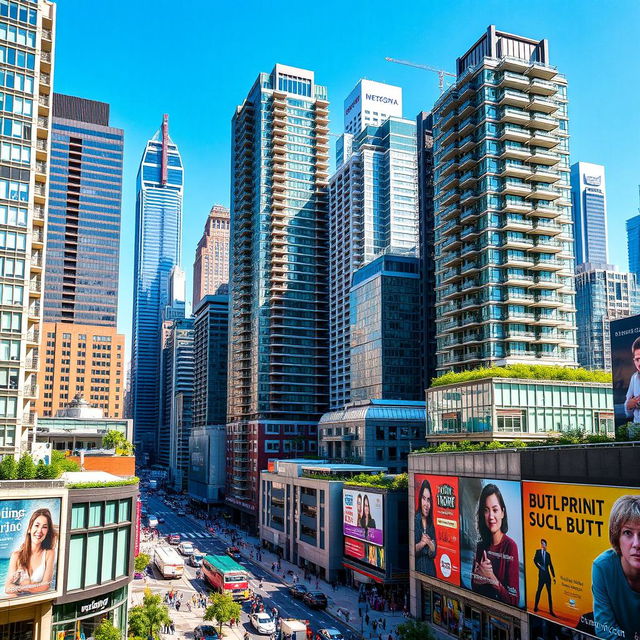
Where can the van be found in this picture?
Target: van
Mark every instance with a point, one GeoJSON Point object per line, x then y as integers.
{"type": "Point", "coordinates": [153, 521]}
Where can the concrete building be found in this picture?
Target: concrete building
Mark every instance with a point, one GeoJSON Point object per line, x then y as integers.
{"type": "Point", "coordinates": [504, 249]}
{"type": "Point", "coordinates": [207, 474]}
{"type": "Point", "coordinates": [159, 191]}
{"type": "Point", "coordinates": [83, 234]}
{"type": "Point", "coordinates": [278, 308]}
{"type": "Point", "coordinates": [27, 68]}
{"type": "Point", "coordinates": [211, 265]}
{"type": "Point", "coordinates": [81, 359]}
{"type": "Point", "coordinates": [371, 104]}
{"type": "Point", "coordinates": [517, 409]}
{"type": "Point", "coordinates": [301, 515]}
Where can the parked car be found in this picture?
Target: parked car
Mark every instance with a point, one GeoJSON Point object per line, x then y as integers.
{"type": "Point", "coordinates": [182, 513]}
{"type": "Point", "coordinates": [329, 634]}
{"type": "Point", "coordinates": [315, 600]}
{"type": "Point", "coordinates": [138, 575]}
{"type": "Point", "coordinates": [262, 623]}
{"type": "Point", "coordinates": [298, 590]}
{"type": "Point", "coordinates": [234, 552]}
{"type": "Point", "coordinates": [173, 538]}
{"type": "Point", "coordinates": [205, 632]}
{"type": "Point", "coordinates": [195, 559]}
{"type": "Point", "coordinates": [160, 519]}
{"type": "Point", "coordinates": [186, 548]}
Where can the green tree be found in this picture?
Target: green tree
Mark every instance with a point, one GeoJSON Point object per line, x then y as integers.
{"type": "Point", "coordinates": [61, 463]}
{"type": "Point", "coordinates": [106, 631]}
{"type": "Point", "coordinates": [26, 467]}
{"type": "Point", "coordinates": [415, 630]}
{"type": "Point", "coordinates": [222, 609]}
{"type": "Point", "coordinates": [8, 468]}
{"type": "Point", "coordinates": [141, 561]}
{"type": "Point", "coordinates": [45, 471]}
{"type": "Point", "coordinates": [117, 440]}
{"type": "Point", "coordinates": [146, 619]}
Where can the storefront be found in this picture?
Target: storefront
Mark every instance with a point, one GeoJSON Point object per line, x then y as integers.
{"type": "Point", "coordinates": [79, 620]}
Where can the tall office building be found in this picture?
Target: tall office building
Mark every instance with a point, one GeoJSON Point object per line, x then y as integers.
{"type": "Point", "coordinates": [158, 249]}
{"type": "Point", "coordinates": [26, 76]}
{"type": "Point", "coordinates": [211, 266]}
{"type": "Point", "coordinates": [373, 209]}
{"type": "Point", "coordinates": [504, 238]}
{"type": "Point", "coordinates": [589, 202]}
{"type": "Point", "coordinates": [83, 234]}
{"type": "Point", "coordinates": [602, 295]}
{"type": "Point", "coordinates": [633, 244]}
{"type": "Point", "coordinates": [278, 315]}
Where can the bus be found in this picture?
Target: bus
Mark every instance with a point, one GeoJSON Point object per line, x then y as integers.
{"type": "Point", "coordinates": [225, 575]}
{"type": "Point", "coordinates": [170, 564]}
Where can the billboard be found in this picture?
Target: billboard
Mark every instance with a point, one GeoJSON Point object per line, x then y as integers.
{"type": "Point", "coordinates": [491, 546]}
{"type": "Point", "coordinates": [582, 550]}
{"type": "Point", "coordinates": [29, 535]}
{"type": "Point", "coordinates": [365, 552]}
{"type": "Point", "coordinates": [436, 527]}
{"type": "Point", "coordinates": [625, 368]}
{"type": "Point", "coordinates": [362, 516]}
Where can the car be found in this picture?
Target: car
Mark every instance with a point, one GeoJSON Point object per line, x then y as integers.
{"type": "Point", "coordinates": [138, 575]}
{"type": "Point", "coordinates": [160, 519]}
{"type": "Point", "coordinates": [234, 552]}
{"type": "Point", "coordinates": [182, 513]}
{"type": "Point", "coordinates": [315, 600]}
{"type": "Point", "coordinates": [298, 590]}
{"type": "Point", "coordinates": [195, 559]}
{"type": "Point", "coordinates": [329, 634]}
{"type": "Point", "coordinates": [173, 538]}
{"type": "Point", "coordinates": [186, 548]}
{"type": "Point", "coordinates": [205, 632]}
{"type": "Point", "coordinates": [262, 623]}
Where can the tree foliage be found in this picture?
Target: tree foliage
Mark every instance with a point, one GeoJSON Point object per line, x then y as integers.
{"type": "Point", "coordinates": [380, 480]}
{"type": "Point", "coordinates": [415, 630]}
{"type": "Point", "coordinates": [106, 631]}
{"type": "Point", "coordinates": [222, 609]}
{"type": "Point", "coordinates": [146, 619]}
{"type": "Point", "coordinates": [26, 467]}
{"type": "Point", "coordinates": [8, 468]}
{"type": "Point", "coordinates": [117, 440]}
{"type": "Point", "coordinates": [141, 561]}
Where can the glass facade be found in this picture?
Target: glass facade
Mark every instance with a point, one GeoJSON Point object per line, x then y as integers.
{"type": "Point", "coordinates": [83, 236]}
{"type": "Point", "coordinates": [633, 244]}
{"type": "Point", "coordinates": [158, 249]}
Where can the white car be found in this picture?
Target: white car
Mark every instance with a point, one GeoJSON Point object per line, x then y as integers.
{"type": "Point", "coordinates": [263, 623]}
{"type": "Point", "coordinates": [186, 548]}
{"type": "Point", "coordinates": [329, 634]}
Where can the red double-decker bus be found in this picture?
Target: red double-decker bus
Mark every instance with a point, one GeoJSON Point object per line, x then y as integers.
{"type": "Point", "coordinates": [225, 575]}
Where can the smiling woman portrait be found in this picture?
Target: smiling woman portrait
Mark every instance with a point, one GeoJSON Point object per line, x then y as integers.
{"type": "Point", "coordinates": [31, 566]}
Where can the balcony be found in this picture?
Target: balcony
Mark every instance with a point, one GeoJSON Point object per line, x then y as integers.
{"type": "Point", "coordinates": [547, 282]}
{"type": "Point", "coordinates": [545, 105]}
{"type": "Point", "coordinates": [514, 188]}
{"type": "Point", "coordinates": [518, 279]}
{"type": "Point", "coordinates": [514, 150]}
{"type": "Point", "coordinates": [543, 156]}
{"type": "Point", "coordinates": [513, 241]}
{"type": "Point", "coordinates": [543, 139]}
{"type": "Point", "coordinates": [544, 193]}
{"type": "Point", "coordinates": [515, 116]}
{"type": "Point", "coordinates": [520, 336]}
{"type": "Point", "coordinates": [519, 316]}
{"type": "Point", "coordinates": [543, 210]}
{"type": "Point", "coordinates": [516, 206]}
{"type": "Point", "coordinates": [544, 175]}
{"type": "Point", "coordinates": [542, 87]}
{"type": "Point", "coordinates": [551, 301]}
{"type": "Point", "coordinates": [515, 169]}
{"type": "Point", "coordinates": [516, 223]}
{"type": "Point", "coordinates": [546, 226]}
{"type": "Point", "coordinates": [518, 261]}
{"type": "Point", "coordinates": [541, 71]}
{"type": "Point", "coordinates": [548, 264]}
{"type": "Point", "coordinates": [513, 98]}
{"type": "Point", "coordinates": [544, 122]}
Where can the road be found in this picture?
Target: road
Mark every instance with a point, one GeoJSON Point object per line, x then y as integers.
{"type": "Point", "coordinates": [274, 593]}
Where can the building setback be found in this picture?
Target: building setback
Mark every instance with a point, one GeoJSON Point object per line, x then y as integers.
{"type": "Point", "coordinates": [83, 235]}
{"type": "Point", "coordinates": [278, 316]}
{"type": "Point", "coordinates": [504, 239]}
{"type": "Point", "coordinates": [211, 266]}
{"type": "Point", "coordinates": [158, 249]}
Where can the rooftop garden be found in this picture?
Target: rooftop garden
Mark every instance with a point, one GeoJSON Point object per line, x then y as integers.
{"type": "Point", "coordinates": [377, 480]}
{"type": "Point", "coordinates": [526, 371]}
{"type": "Point", "coordinates": [26, 469]}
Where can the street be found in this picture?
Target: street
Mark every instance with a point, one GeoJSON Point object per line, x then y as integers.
{"type": "Point", "coordinates": [273, 592]}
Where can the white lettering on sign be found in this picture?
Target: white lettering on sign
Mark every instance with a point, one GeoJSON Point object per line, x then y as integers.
{"type": "Point", "coordinates": [94, 605]}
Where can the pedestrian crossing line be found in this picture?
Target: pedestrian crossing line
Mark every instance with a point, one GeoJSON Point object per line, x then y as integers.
{"type": "Point", "coordinates": [197, 535]}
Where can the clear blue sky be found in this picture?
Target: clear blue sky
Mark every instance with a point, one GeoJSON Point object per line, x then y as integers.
{"type": "Point", "coordinates": [197, 60]}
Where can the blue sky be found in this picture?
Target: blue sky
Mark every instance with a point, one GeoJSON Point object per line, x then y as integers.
{"type": "Point", "coordinates": [197, 60]}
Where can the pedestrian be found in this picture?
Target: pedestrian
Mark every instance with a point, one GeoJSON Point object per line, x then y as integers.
{"type": "Point", "coordinates": [172, 628]}
{"type": "Point", "coordinates": [177, 605]}
{"type": "Point", "coordinates": [366, 619]}
{"type": "Point", "coordinates": [260, 585]}
{"type": "Point", "coordinates": [384, 623]}
{"type": "Point", "coordinates": [374, 624]}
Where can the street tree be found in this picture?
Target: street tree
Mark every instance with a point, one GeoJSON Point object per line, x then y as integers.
{"type": "Point", "coordinates": [117, 440]}
{"type": "Point", "coordinates": [222, 609]}
{"type": "Point", "coordinates": [141, 562]}
{"type": "Point", "coordinates": [106, 631]}
{"type": "Point", "coordinates": [146, 619]}
{"type": "Point", "coordinates": [415, 630]}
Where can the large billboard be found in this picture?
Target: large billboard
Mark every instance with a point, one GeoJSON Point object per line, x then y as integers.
{"type": "Point", "coordinates": [582, 548]}
{"type": "Point", "coordinates": [29, 535]}
{"type": "Point", "coordinates": [363, 516]}
{"type": "Point", "coordinates": [365, 552]}
{"type": "Point", "coordinates": [491, 547]}
{"type": "Point", "coordinates": [436, 527]}
{"type": "Point", "coordinates": [625, 367]}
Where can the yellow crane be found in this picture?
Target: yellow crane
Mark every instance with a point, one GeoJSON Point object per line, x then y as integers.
{"type": "Point", "coordinates": [441, 72]}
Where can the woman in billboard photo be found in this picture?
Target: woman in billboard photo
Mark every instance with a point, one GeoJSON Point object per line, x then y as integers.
{"type": "Point", "coordinates": [366, 522]}
{"type": "Point", "coordinates": [496, 572]}
{"type": "Point", "coordinates": [31, 565]}
{"type": "Point", "coordinates": [615, 579]}
{"type": "Point", "coordinates": [424, 531]}
{"type": "Point", "coordinates": [358, 509]}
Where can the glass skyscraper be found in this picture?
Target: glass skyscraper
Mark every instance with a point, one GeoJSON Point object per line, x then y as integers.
{"type": "Point", "coordinates": [633, 244]}
{"type": "Point", "coordinates": [278, 306]}
{"type": "Point", "coordinates": [158, 249]}
{"type": "Point", "coordinates": [83, 235]}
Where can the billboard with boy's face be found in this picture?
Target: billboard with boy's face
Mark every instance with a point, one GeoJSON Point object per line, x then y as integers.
{"type": "Point", "coordinates": [625, 368]}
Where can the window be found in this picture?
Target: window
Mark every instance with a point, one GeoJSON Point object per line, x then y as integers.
{"type": "Point", "coordinates": [272, 446]}
{"type": "Point", "coordinates": [76, 562]}
{"type": "Point", "coordinates": [110, 512]}
{"type": "Point", "coordinates": [125, 510]}
{"type": "Point", "coordinates": [95, 514]}
{"type": "Point", "coordinates": [79, 516]}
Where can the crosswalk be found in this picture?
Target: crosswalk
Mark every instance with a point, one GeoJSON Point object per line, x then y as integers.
{"type": "Point", "coordinates": [196, 535]}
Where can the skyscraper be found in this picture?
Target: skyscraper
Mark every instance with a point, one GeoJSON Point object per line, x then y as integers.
{"type": "Point", "coordinates": [633, 244]}
{"type": "Point", "coordinates": [83, 235]}
{"type": "Point", "coordinates": [504, 243]}
{"type": "Point", "coordinates": [27, 33]}
{"type": "Point", "coordinates": [589, 202]}
{"type": "Point", "coordinates": [278, 316]}
{"type": "Point", "coordinates": [373, 209]}
{"type": "Point", "coordinates": [211, 266]}
{"type": "Point", "coordinates": [158, 249]}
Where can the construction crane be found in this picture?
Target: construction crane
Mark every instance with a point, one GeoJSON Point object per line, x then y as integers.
{"type": "Point", "coordinates": [441, 72]}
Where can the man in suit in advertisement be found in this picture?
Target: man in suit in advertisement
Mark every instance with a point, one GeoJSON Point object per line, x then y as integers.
{"type": "Point", "coordinates": [542, 560]}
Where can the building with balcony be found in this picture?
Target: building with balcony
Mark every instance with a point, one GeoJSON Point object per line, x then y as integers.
{"type": "Point", "coordinates": [278, 352]}
{"type": "Point", "coordinates": [211, 265]}
{"type": "Point", "coordinates": [83, 234]}
{"type": "Point", "coordinates": [27, 79]}
{"type": "Point", "coordinates": [159, 192]}
{"type": "Point", "coordinates": [81, 359]}
{"type": "Point", "coordinates": [503, 226]}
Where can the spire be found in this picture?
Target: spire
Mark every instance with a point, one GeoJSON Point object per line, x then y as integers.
{"type": "Point", "coordinates": [165, 143]}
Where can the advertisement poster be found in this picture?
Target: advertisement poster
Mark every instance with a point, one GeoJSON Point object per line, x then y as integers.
{"type": "Point", "coordinates": [541, 629]}
{"type": "Point", "coordinates": [491, 546]}
{"type": "Point", "coordinates": [362, 516]}
{"type": "Point", "coordinates": [582, 550]}
{"type": "Point", "coordinates": [436, 527]}
{"type": "Point", "coordinates": [365, 552]}
{"type": "Point", "coordinates": [625, 368]}
{"type": "Point", "coordinates": [29, 535]}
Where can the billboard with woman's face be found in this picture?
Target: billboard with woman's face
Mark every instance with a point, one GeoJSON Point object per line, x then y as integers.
{"type": "Point", "coordinates": [29, 535]}
{"type": "Point", "coordinates": [491, 546]}
{"type": "Point", "coordinates": [363, 516]}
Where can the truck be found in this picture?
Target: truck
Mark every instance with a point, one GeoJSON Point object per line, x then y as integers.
{"type": "Point", "coordinates": [297, 629]}
{"type": "Point", "coordinates": [169, 562]}
{"type": "Point", "coordinates": [226, 576]}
